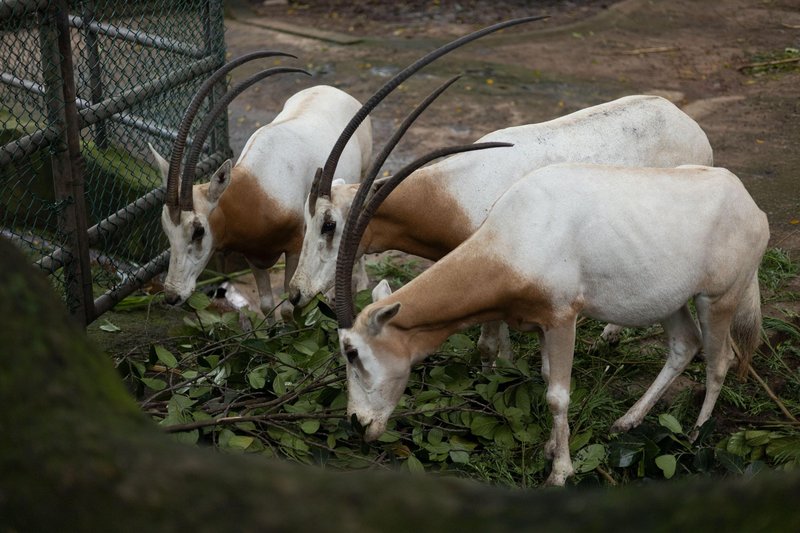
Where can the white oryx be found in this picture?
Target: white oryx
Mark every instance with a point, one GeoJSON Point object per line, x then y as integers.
{"type": "Point", "coordinates": [438, 207]}
{"type": "Point", "coordinates": [255, 206]}
{"type": "Point", "coordinates": [631, 246]}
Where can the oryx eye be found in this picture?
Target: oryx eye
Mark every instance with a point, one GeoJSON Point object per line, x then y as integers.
{"type": "Point", "coordinates": [198, 233]}
{"type": "Point", "coordinates": [329, 226]}
{"type": "Point", "coordinates": [351, 354]}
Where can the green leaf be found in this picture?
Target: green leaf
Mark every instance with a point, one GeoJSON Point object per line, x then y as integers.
{"type": "Point", "coordinates": [414, 465]}
{"type": "Point", "coordinates": [435, 436]}
{"type": "Point", "coordinates": [667, 464]}
{"type": "Point", "coordinates": [155, 384]}
{"type": "Point", "coordinates": [198, 301]}
{"type": "Point", "coordinates": [459, 457]}
{"type": "Point", "coordinates": [165, 356]}
{"type": "Point", "coordinates": [257, 377]}
{"type": "Point", "coordinates": [459, 341]}
{"type": "Point", "coordinates": [278, 385]}
{"type": "Point", "coordinates": [179, 401]}
{"type": "Point", "coordinates": [483, 426]}
{"type": "Point", "coordinates": [670, 422]}
{"type": "Point", "coordinates": [240, 442]}
{"type": "Point", "coordinates": [310, 427]}
{"type": "Point", "coordinates": [187, 437]}
{"type": "Point", "coordinates": [306, 346]}
{"type": "Point", "coordinates": [736, 444]}
{"type": "Point", "coordinates": [757, 437]}
{"type": "Point", "coordinates": [504, 437]}
{"type": "Point", "coordinates": [579, 440]}
{"type": "Point", "coordinates": [388, 437]}
{"type": "Point", "coordinates": [589, 458]}
{"type": "Point", "coordinates": [108, 326]}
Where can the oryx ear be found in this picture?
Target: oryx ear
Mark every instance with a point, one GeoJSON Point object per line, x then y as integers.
{"type": "Point", "coordinates": [381, 291]}
{"type": "Point", "coordinates": [381, 316]}
{"type": "Point", "coordinates": [219, 182]}
{"type": "Point", "coordinates": [337, 182]}
{"type": "Point", "coordinates": [163, 165]}
{"type": "Point", "coordinates": [380, 182]}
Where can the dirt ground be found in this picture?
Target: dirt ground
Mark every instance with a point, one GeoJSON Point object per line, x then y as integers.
{"type": "Point", "coordinates": [586, 53]}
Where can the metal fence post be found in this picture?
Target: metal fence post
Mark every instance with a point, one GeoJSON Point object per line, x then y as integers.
{"type": "Point", "coordinates": [95, 72]}
{"type": "Point", "coordinates": [59, 78]}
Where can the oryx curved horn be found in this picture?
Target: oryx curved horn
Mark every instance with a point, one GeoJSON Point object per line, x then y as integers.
{"type": "Point", "coordinates": [380, 159]}
{"type": "Point", "coordinates": [178, 146]}
{"type": "Point", "coordinates": [353, 232]}
{"type": "Point", "coordinates": [326, 177]}
{"type": "Point", "coordinates": [201, 134]}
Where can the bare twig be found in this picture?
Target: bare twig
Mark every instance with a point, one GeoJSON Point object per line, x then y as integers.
{"type": "Point", "coordinates": [269, 417]}
{"type": "Point", "coordinates": [771, 394]}
{"type": "Point", "coordinates": [605, 475]}
{"type": "Point", "coordinates": [769, 63]}
{"type": "Point", "coordinates": [651, 50]}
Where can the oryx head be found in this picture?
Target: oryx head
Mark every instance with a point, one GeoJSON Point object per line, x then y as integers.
{"type": "Point", "coordinates": [316, 268]}
{"type": "Point", "coordinates": [191, 237]}
{"type": "Point", "coordinates": [378, 366]}
{"type": "Point", "coordinates": [186, 215]}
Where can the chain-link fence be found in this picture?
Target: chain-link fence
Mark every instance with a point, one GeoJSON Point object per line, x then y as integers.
{"type": "Point", "coordinates": [84, 86]}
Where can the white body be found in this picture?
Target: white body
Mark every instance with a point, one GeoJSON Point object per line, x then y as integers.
{"type": "Point", "coordinates": [439, 206]}
{"type": "Point", "coordinates": [626, 245]}
{"type": "Point", "coordinates": [256, 207]}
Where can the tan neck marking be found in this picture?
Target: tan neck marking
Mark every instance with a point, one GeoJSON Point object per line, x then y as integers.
{"type": "Point", "coordinates": [464, 289]}
{"type": "Point", "coordinates": [419, 218]}
{"type": "Point", "coordinates": [249, 221]}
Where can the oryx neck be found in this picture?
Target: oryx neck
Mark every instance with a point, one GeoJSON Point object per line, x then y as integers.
{"type": "Point", "coordinates": [420, 217]}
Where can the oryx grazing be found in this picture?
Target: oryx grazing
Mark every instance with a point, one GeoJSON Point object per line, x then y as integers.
{"type": "Point", "coordinates": [439, 206]}
{"type": "Point", "coordinates": [254, 207]}
{"type": "Point", "coordinates": [632, 246]}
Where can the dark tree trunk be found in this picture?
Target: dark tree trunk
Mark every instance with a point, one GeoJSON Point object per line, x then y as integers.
{"type": "Point", "coordinates": [77, 455]}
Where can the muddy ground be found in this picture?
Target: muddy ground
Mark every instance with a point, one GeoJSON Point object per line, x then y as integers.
{"type": "Point", "coordinates": [586, 53]}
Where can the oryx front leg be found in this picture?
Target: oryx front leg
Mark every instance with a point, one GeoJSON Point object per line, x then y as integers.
{"type": "Point", "coordinates": [558, 346]}
{"type": "Point", "coordinates": [265, 299]}
{"type": "Point", "coordinates": [291, 261]}
{"type": "Point", "coordinates": [494, 342]}
{"type": "Point", "coordinates": [684, 342]}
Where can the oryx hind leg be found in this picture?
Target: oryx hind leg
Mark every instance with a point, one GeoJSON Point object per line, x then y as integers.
{"type": "Point", "coordinates": [683, 339]}
{"type": "Point", "coordinates": [715, 322]}
{"type": "Point", "coordinates": [611, 334]}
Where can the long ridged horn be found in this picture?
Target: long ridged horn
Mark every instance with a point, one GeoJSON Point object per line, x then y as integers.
{"type": "Point", "coordinates": [329, 169]}
{"type": "Point", "coordinates": [202, 132]}
{"type": "Point", "coordinates": [313, 194]}
{"type": "Point", "coordinates": [178, 146]}
{"type": "Point", "coordinates": [351, 238]}
{"type": "Point", "coordinates": [380, 159]}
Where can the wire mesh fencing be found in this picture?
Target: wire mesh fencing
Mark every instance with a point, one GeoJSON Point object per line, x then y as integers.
{"type": "Point", "coordinates": [84, 87]}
